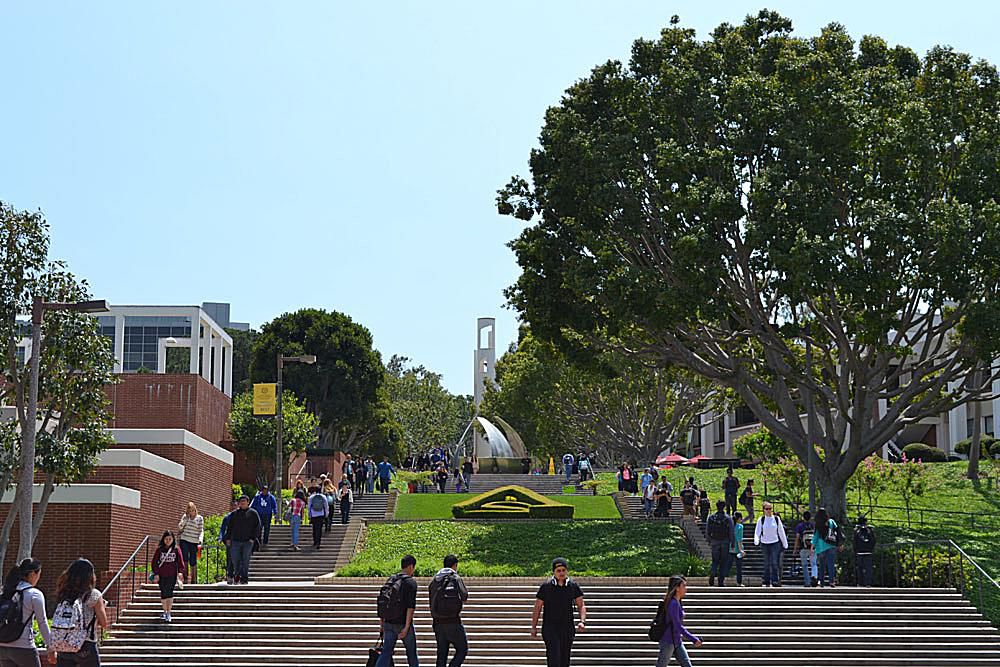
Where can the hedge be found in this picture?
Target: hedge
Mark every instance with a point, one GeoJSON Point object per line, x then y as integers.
{"type": "Point", "coordinates": [514, 502]}
{"type": "Point", "coordinates": [988, 445]}
{"type": "Point", "coordinates": [926, 453]}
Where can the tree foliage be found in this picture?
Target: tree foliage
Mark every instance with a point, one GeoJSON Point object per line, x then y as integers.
{"type": "Point", "coordinates": [344, 388]}
{"type": "Point", "coordinates": [256, 437]}
{"type": "Point", "coordinates": [716, 204]}
{"type": "Point", "coordinates": [243, 342]}
{"type": "Point", "coordinates": [787, 480]}
{"type": "Point", "coordinates": [424, 412]}
{"type": "Point", "coordinates": [760, 445]}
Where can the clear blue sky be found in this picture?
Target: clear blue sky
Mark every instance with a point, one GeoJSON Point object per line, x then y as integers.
{"type": "Point", "coordinates": [331, 154]}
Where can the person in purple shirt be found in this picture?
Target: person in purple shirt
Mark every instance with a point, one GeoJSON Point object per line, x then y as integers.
{"type": "Point", "coordinates": [672, 642]}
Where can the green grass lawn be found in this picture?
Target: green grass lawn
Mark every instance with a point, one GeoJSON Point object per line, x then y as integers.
{"type": "Point", "coordinates": [594, 548]}
{"type": "Point", "coordinates": [438, 505]}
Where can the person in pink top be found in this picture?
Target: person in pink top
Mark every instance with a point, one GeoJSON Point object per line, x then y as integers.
{"type": "Point", "coordinates": [295, 510]}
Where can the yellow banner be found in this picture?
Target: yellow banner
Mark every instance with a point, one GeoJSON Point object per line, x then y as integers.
{"type": "Point", "coordinates": [265, 398]}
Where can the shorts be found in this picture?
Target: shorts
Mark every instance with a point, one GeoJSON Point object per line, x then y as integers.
{"type": "Point", "coordinates": [167, 585]}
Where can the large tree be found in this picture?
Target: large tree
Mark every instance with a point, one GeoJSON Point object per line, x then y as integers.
{"type": "Point", "coordinates": [718, 204]}
{"type": "Point", "coordinates": [343, 388]}
{"type": "Point", "coordinates": [75, 364]}
{"type": "Point", "coordinates": [424, 412]}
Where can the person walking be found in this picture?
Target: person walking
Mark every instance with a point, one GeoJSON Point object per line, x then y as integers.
{"type": "Point", "coordinates": [467, 473]}
{"type": "Point", "coordinates": [662, 500]}
{"type": "Point", "coordinates": [319, 509]}
{"type": "Point", "coordinates": [584, 469]}
{"type": "Point", "coordinates": [770, 536]}
{"type": "Point", "coordinates": [20, 589]}
{"type": "Point", "coordinates": [554, 603]}
{"type": "Point", "coordinates": [737, 554]}
{"type": "Point", "coordinates": [296, 510]}
{"type": "Point", "coordinates": [825, 544]}
{"type": "Point", "coordinates": [649, 493]}
{"type": "Point", "coordinates": [747, 499]}
{"type": "Point", "coordinates": [222, 540]}
{"type": "Point", "coordinates": [731, 490]}
{"type": "Point", "coordinates": [447, 594]}
{"type": "Point", "coordinates": [704, 506]}
{"type": "Point", "coordinates": [647, 477]}
{"type": "Point", "coordinates": [671, 611]}
{"type": "Point", "coordinates": [567, 463]}
{"type": "Point", "coordinates": [688, 499]}
{"type": "Point", "coordinates": [75, 584]}
{"type": "Point", "coordinates": [385, 473]}
{"type": "Point", "coordinates": [242, 532]}
{"type": "Point", "coordinates": [332, 495]}
{"type": "Point", "coordinates": [346, 500]}
{"type": "Point", "coordinates": [300, 487]}
{"type": "Point", "coordinates": [441, 478]}
{"type": "Point", "coordinates": [804, 548]}
{"type": "Point", "coordinates": [397, 602]}
{"type": "Point", "coordinates": [864, 551]}
{"type": "Point", "coordinates": [369, 475]}
{"type": "Point", "coordinates": [191, 535]}
{"type": "Point", "coordinates": [267, 508]}
{"type": "Point", "coordinates": [719, 530]}
{"type": "Point", "coordinates": [168, 566]}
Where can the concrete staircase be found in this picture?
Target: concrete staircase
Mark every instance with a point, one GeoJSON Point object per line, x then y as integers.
{"type": "Point", "coordinates": [279, 563]}
{"type": "Point", "coordinates": [368, 506]}
{"type": "Point", "coordinates": [547, 484]}
{"type": "Point", "coordinates": [334, 625]}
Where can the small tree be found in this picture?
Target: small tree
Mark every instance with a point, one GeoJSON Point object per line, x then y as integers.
{"type": "Point", "coordinates": [256, 436]}
{"type": "Point", "coordinates": [788, 478]}
{"type": "Point", "coordinates": [761, 445]}
{"type": "Point", "coordinates": [908, 480]}
{"type": "Point", "coordinates": [872, 480]}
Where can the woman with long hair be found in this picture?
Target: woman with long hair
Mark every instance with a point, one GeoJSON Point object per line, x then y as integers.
{"type": "Point", "coordinates": [190, 536]}
{"type": "Point", "coordinates": [168, 566]}
{"type": "Point", "coordinates": [78, 582]}
{"type": "Point", "coordinates": [19, 587]}
{"type": "Point", "coordinates": [296, 509]}
{"type": "Point", "coordinates": [672, 642]}
{"type": "Point", "coordinates": [825, 546]}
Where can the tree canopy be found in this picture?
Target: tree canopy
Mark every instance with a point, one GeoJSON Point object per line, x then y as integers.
{"type": "Point", "coordinates": [718, 204]}
{"type": "Point", "coordinates": [424, 412]}
{"type": "Point", "coordinates": [256, 436]}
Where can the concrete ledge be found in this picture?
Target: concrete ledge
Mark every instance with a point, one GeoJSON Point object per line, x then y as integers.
{"type": "Point", "coordinates": [85, 494]}
{"type": "Point", "coordinates": [140, 458]}
{"type": "Point", "coordinates": [170, 436]}
{"type": "Point", "coordinates": [330, 579]}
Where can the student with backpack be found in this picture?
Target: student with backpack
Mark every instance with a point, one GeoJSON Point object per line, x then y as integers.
{"type": "Point", "coordinates": [448, 594]}
{"type": "Point", "coordinates": [704, 505]}
{"type": "Point", "coordinates": [730, 489]}
{"type": "Point", "coordinates": [554, 603]}
{"type": "Point", "coordinates": [825, 542]}
{"type": "Point", "coordinates": [397, 600]}
{"type": "Point", "coordinates": [79, 616]}
{"type": "Point", "coordinates": [567, 463]}
{"type": "Point", "coordinates": [20, 603]}
{"type": "Point", "coordinates": [720, 533]}
{"type": "Point", "coordinates": [319, 509]}
{"type": "Point", "coordinates": [167, 565]}
{"type": "Point", "coordinates": [266, 507]}
{"type": "Point", "coordinates": [804, 548]}
{"type": "Point", "coordinates": [770, 535]}
{"type": "Point", "coordinates": [669, 624]}
{"type": "Point", "coordinates": [864, 551]}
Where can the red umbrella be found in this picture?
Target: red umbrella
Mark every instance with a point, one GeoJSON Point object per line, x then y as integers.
{"type": "Point", "coordinates": [670, 459]}
{"type": "Point", "coordinates": [695, 459]}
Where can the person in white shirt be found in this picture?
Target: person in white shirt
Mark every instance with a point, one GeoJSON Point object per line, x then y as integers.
{"type": "Point", "coordinates": [20, 588]}
{"type": "Point", "coordinates": [770, 535]}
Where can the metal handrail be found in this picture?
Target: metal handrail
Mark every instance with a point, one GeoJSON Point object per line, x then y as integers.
{"type": "Point", "coordinates": [117, 579]}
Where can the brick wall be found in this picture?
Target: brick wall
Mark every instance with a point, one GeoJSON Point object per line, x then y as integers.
{"type": "Point", "coordinates": [170, 401]}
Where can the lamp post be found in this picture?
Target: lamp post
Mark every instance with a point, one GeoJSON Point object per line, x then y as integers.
{"type": "Point", "coordinates": [279, 453]}
{"type": "Point", "coordinates": [811, 449]}
{"type": "Point", "coordinates": [26, 476]}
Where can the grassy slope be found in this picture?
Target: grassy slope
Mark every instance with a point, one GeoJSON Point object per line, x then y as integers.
{"type": "Point", "coordinates": [438, 505]}
{"type": "Point", "coordinates": [594, 548]}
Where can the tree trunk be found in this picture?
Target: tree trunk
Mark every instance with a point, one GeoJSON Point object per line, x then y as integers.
{"type": "Point", "coordinates": [834, 497]}
{"type": "Point", "coordinates": [8, 524]}
{"type": "Point", "coordinates": [977, 431]}
{"type": "Point", "coordinates": [43, 504]}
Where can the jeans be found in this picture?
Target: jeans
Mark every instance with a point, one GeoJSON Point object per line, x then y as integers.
{"type": "Point", "coordinates": [241, 552]}
{"type": "Point", "coordinates": [808, 561]}
{"type": "Point", "coordinates": [558, 645]}
{"type": "Point", "coordinates": [827, 566]}
{"type": "Point", "coordinates": [190, 552]}
{"type": "Point", "coordinates": [87, 656]}
{"type": "Point", "coordinates": [720, 561]}
{"type": "Point", "coordinates": [317, 527]}
{"type": "Point", "coordinates": [370, 485]}
{"type": "Point", "coordinates": [345, 512]}
{"type": "Point", "coordinates": [738, 562]}
{"type": "Point", "coordinates": [730, 503]}
{"type": "Point", "coordinates": [230, 570]}
{"type": "Point", "coordinates": [865, 564]}
{"type": "Point", "coordinates": [296, 522]}
{"type": "Point", "coordinates": [383, 484]}
{"type": "Point", "coordinates": [772, 563]}
{"type": "Point", "coordinates": [390, 633]}
{"type": "Point", "coordinates": [568, 470]}
{"type": "Point", "coordinates": [19, 657]}
{"type": "Point", "coordinates": [647, 506]}
{"type": "Point", "coordinates": [265, 520]}
{"type": "Point", "coordinates": [668, 650]}
{"type": "Point", "coordinates": [447, 635]}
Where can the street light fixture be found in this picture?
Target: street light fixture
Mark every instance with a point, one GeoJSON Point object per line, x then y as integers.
{"type": "Point", "coordinates": [279, 454]}
{"type": "Point", "coordinates": [26, 477]}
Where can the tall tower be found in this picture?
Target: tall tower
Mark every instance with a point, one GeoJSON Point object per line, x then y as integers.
{"type": "Point", "coordinates": [484, 368]}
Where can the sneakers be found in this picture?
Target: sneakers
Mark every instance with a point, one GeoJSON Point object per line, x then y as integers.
{"type": "Point", "coordinates": [166, 617]}
{"type": "Point", "coordinates": [229, 581]}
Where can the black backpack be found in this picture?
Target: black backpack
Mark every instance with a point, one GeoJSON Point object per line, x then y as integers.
{"type": "Point", "coordinates": [12, 619]}
{"type": "Point", "coordinates": [658, 626]}
{"type": "Point", "coordinates": [864, 537]}
{"type": "Point", "coordinates": [390, 598]}
{"type": "Point", "coordinates": [717, 527]}
{"type": "Point", "coordinates": [838, 535]}
{"type": "Point", "coordinates": [447, 598]}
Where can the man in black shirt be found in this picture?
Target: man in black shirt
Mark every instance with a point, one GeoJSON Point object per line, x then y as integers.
{"type": "Point", "coordinates": [401, 626]}
{"type": "Point", "coordinates": [557, 597]}
{"type": "Point", "coordinates": [242, 532]}
{"type": "Point", "coordinates": [731, 489]}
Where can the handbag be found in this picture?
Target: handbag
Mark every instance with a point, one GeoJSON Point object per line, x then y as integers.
{"type": "Point", "coordinates": [658, 626]}
{"type": "Point", "coordinates": [375, 652]}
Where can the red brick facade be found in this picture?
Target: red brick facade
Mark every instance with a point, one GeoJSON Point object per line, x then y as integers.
{"type": "Point", "coordinates": [170, 401]}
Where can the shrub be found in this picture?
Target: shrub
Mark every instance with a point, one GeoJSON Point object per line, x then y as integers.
{"type": "Point", "coordinates": [987, 445]}
{"type": "Point", "coordinates": [925, 453]}
{"type": "Point", "coordinates": [516, 502]}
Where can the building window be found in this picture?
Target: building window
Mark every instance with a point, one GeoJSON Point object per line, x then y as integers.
{"type": "Point", "coordinates": [988, 425]}
{"type": "Point", "coordinates": [745, 416]}
{"type": "Point", "coordinates": [142, 337]}
{"type": "Point", "coordinates": [968, 428]}
{"type": "Point", "coordinates": [20, 352]}
{"type": "Point", "coordinates": [720, 429]}
{"type": "Point", "coordinates": [696, 437]}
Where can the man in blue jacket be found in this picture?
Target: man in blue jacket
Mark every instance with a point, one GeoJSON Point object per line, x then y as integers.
{"type": "Point", "coordinates": [385, 473]}
{"type": "Point", "coordinates": [266, 507]}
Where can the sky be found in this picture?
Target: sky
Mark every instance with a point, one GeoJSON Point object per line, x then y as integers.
{"type": "Point", "coordinates": [329, 154]}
